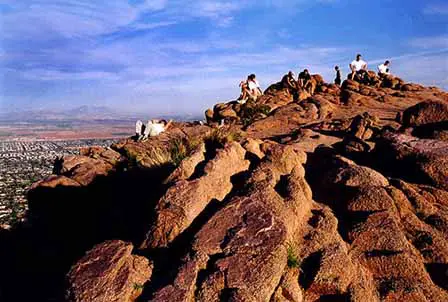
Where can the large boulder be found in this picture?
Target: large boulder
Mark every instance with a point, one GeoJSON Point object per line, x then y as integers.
{"type": "Point", "coordinates": [289, 117]}
{"type": "Point", "coordinates": [108, 273]}
{"type": "Point", "coordinates": [106, 154]}
{"type": "Point", "coordinates": [83, 169]}
{"type": "Point", "coordinates": [391, 81]}
{"type": "Point", "coordinates": [54, 181]}
{"type": "Point", "coordinates": [363, 126]}
{"type": "Point", "coordinates": [240, 254]}
{"type": "Point", "coordinates": [387, 225]}
{"type": "Point", "coordinates": [186, 199]}
{"type": "Point", "coordinates": [419, 160]}
{"type": "Point", "coordinates": [275, 96]}
{"type": "Point", "coordinates": [428, 112]}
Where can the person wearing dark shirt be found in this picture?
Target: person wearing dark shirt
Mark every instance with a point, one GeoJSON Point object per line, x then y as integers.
{"type": "Point", "coordinates": [338, 78]}
{"type": "Point", "coordinates": [305, 82]}
{"type": "Point", "coordinates": [288, 81]}
{"type": "Point", "coordinates": [304, 78]}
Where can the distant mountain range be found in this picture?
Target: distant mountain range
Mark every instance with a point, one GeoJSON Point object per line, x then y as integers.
{"type": "Point", "coordinates": [84, 113]}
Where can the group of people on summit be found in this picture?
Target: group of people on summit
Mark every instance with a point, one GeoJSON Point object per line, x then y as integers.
{"type": "Point", "coordinates": [152, 128]}
{"type": "Point", "coordinates": [250, 88]}
{"type": "Point", "coordinates": [359, 69]}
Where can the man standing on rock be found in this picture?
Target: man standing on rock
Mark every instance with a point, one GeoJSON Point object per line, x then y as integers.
{"type": "Point", "coordinates": [337, 80]}
{"type": "Point", "coordinates": [358, 68]}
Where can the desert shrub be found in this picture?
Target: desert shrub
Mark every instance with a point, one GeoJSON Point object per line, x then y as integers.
{"type": "Point", "coordinates": [250, 112]}
{"type": "Point", "coordinates": [293, 260]}
{"type": "Point", "coordinates": [178, 150]}
{"type": "Point", "coordinates": [181, 148]}
{"type": "Point", "coordinates": [154, 157]}
{"type": "Point", "coordinates": [138, 286]}
{"type": "Point", "coordinates": [218, 138]}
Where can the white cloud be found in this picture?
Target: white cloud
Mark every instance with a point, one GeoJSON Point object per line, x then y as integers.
{"type": "Point", "coordinates": [44, 19]}
{"type": "Point", "coordinates": [430, 42]}
{"type": "Point", "coordinates": [145, 26]}
{"type": "Point", "coordinates": [425, 69]}
{"type": "Point", "coordinates": [155, 4]}
{"type": "Point", "coordinates": [214, 9]}
{"type": "Point", "coordinates": [436, 9]}
{"type": "Point", "coordinates": [57, 75]}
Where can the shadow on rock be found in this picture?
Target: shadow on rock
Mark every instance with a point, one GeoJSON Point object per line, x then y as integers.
{"type": "Point", "coordinates": [64, 222]}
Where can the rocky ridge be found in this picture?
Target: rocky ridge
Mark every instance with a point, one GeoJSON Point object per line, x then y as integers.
{"type": "Point", "coordinates": [337, 196]}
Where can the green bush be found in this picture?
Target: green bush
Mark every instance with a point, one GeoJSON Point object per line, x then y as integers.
{"type": "Point", "coordinates": [220, 137]}
{"type": "Point", "coordinates": [250, 111]}
{"type": "Point", "coordinates": [293, 259]}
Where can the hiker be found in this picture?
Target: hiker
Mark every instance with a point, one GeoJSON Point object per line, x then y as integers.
{"type": "Point", "coordinates": [337, 80]}
{"type": "Point", "coordinates": [155, 127]}
{"type": "Point", "coordinates": [305, 82]}
{"type": "Point", "coordinates": [250, 89]}
{"type": "Point", "coordinates": [289, 82]}
{"type": "Point", "coordinates": [253, 87]}
{"type": "Point", "coordinates": [358, 68]}
{"type": "Point", "coordinates": [383, 69]}
{"type": "Point", "coordinates": [244, 92]}
{"type": "Point", "coordinates": [139, 130]}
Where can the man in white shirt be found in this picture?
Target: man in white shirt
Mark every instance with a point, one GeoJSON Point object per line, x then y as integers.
{"type": "Point", "coordinates": [358, 67]}
{"type": "Point", "coordinates": [383, 69]}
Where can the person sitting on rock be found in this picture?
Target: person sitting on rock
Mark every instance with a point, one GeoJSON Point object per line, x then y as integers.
{"type": "Point", "coordinates": [253, 87]}
{"type": "Point", "coordinates": [305, 82]}
{"type": "Point", "coordinates": [338, 78]}
{"type": "Point", "coordinates": [250, 89]}
{"type": "Point", "coordinates": [383, 69]}
{"type": "Point", "coordinates": [359, 69]}
{"type": "Point", "coordinates": [244, 92]}
{"type": "Point", "coordinates": [156, 127]}
{"type": "Point", "coordinates": [288, 82]}
{"type": "Point", "coordinates": [139, 130]}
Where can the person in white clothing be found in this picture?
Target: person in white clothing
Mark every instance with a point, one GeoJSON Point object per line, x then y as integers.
{"type": "Point", "coordinates": [383, 69]}
{"type": "Point", "coordinates": [139, 130]}
{"type": "Point", "coordinates": [250, 89]}
{"type": "Point", "coordinates": [253, 87]}
{"type": "Point", "coordinates": [358, 67]}
{"type": "Point", "coordinates": [156, 127]}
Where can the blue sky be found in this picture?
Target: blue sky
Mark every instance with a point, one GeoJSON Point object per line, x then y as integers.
{"type": "Point", "coordinates": [182, 56]}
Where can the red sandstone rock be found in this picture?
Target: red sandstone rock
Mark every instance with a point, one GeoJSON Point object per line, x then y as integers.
{"type": "Point", "coordinates": [55, 180]}
{"type": "Point", "coordinates": [426, 113]}
{"type": "Point", "coordinates": [84, 169]}
{"type": "Point", "coordinates": [376, 231]}
{"type": "Point", "coordinates": [241, 250]}
{"type": "Point", "coordinates": [109, 273]}
{"type": "Point", "coordinates": [425, 159]}
{"type": "Point", "coordinates": [186, 199]}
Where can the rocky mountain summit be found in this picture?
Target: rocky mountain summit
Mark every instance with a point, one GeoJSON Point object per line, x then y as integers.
{"type": "Point", "coordinates": [337, 196]}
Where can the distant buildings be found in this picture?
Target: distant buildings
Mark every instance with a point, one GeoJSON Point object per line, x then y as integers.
{"type": "Point", "coordinates": [24, 162]}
